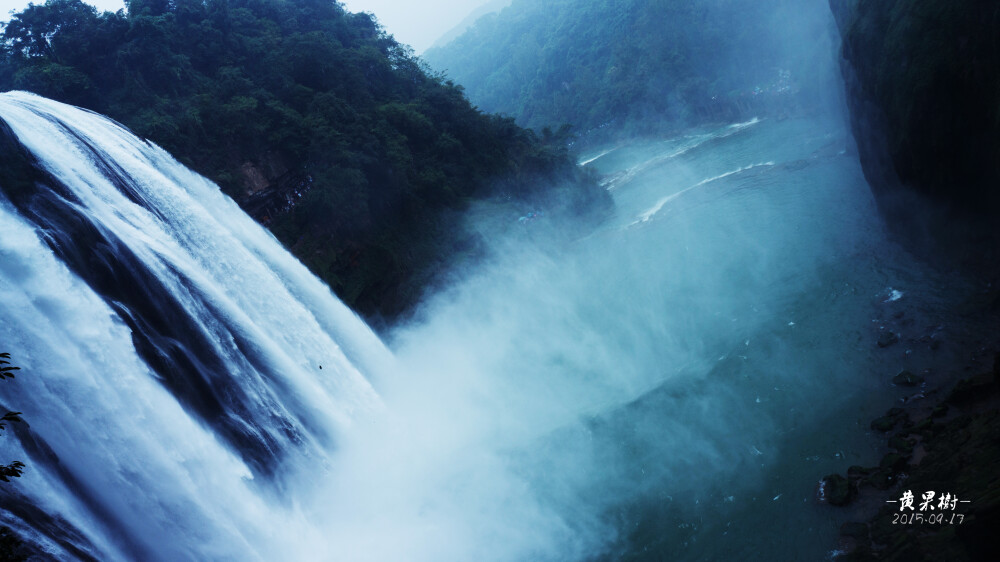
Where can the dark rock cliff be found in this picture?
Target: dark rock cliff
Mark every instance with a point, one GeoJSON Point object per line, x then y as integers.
{"type": "Point", "coordinates": [923, 89]}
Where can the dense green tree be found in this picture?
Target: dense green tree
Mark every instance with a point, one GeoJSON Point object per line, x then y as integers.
{"type": "Point", "coordinates": [287, 102]}
{"type": "Point", "coordinates": [14, 469]}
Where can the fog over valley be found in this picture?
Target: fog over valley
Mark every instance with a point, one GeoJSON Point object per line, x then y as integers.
{"type": "Point", "coordinates": [511, 280]}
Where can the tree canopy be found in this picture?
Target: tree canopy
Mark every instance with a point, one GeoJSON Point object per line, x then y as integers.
{"type": "Point", "coordinates": [314, 119]}
{"type": "Point", "coordinates": [14, 469]}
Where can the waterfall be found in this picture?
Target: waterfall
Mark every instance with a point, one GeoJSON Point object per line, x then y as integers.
{"type": "Point", "coordinates": [176, 362]}
{"type": "Point", "coordinates": [666, 388]}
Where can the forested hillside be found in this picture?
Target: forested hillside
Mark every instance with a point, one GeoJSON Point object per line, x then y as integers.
{"type": "Point", "coordinates": [313, 118]}
{"type": "Point", "coordinates": [640, 62]}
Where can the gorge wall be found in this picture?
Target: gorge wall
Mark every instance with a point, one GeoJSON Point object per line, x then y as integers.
{"type": "Point", "coordinates": [923, 91]}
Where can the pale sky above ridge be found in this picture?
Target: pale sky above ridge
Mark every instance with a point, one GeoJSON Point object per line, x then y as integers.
{"type": "Point", "coordinates": [417, 24]}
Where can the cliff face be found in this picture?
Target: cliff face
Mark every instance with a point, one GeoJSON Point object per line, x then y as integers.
{"type": "Point", "coordinates": [923, 81]}
{"type": "Point", "coordinates": [923, 89]}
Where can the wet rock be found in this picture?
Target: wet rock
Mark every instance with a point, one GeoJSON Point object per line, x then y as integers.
{"type": "Point", "coordinates": [837, 490]}
{"type": "Point", "coordinates": [907, 378]}
{"type": "Point", "coordinates": [890, 419]}
{"type": "Point", "coordinates": [854, 530]}
{"type": "Point", "coordinates": [882, 479]}
{"type": "Point", "coordinates": [961, 422]}
{"type": "Point", "coordinates": [887, 338]}
{"type": "Point", "coordinates": [962, 457]}
{"type": "Point", "coordinates": [857, 472]}
{"type": "Point", "coordinates": [923, 426]}
{"type": "Point", "coordinates": [933, 339]}
{"type": "Point", "coordinates": [901, 444]}
{"type": "Point", "coordinates": [884, 424]}
{"type": "Point", "coordinates": [893, 462]}
{"type": "Point", "coordinates": [939, 411]}
{"type": "Point", "coordinates": [970, 389]}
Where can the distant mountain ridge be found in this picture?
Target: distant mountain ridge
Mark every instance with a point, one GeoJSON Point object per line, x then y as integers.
{"type": "Point", "coordinates": [639, 62]}
{"type": "Point", "coordinates": [491, 7]}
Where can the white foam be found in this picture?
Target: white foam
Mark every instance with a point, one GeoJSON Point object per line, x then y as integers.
{"type": "Point", "coordinates": [649, 213]}
{"type": "Point", "coordinates": [893, 295]}
{"type": "Point", "coordinates": [692, 143]}
{"type": "Point", "coordinates": [159, 470]}
{"type": "Point", "coordinates": [599, 156]}
{"type": "Point", "coordinates": [745, 124]}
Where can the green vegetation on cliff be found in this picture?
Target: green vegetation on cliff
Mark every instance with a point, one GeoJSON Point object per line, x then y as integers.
{"type": "Point", "coordinates": [313, 118]}
{"type": "Point", "coordinates": [14, 469]}
{"type": "Point", "coordinates": [589, 62]}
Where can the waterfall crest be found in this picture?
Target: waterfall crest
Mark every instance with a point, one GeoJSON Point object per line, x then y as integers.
{"type": "Point", "coordinates": [135, 294]}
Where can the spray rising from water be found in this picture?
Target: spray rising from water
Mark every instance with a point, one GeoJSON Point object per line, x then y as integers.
{"type": "Point", "coordinates": [545, 406]}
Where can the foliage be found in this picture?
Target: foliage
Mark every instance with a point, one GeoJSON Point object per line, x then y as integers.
{"type": "Point", "coordinates": [14, 469]}
{"type": "Point", "coordinates": [313, 118]}
{"type": "Point", "coordinates": [6, 370]}
{"type": "Point", "coordinates": [591, 62]}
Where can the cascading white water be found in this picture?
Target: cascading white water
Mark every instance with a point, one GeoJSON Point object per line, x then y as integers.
{"type": "Point", "coordinates": [141, 471]}
{"type": "Point", "coordinates": [670, 386]}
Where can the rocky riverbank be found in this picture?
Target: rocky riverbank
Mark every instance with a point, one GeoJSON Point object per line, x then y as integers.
{"type": "Point", "coordinates": [935, 495]}
{"type": "Point", "coordinates": [922, 85]}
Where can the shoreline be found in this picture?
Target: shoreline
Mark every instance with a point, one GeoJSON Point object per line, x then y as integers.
{"type": "Point", "coordinates": [943, 436]}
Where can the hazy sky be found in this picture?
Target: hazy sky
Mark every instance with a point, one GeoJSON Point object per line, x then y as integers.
{"type": "Point", "coordinates": [417, 24]}
{"type": "Point", "coordinates": [7, 5]}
